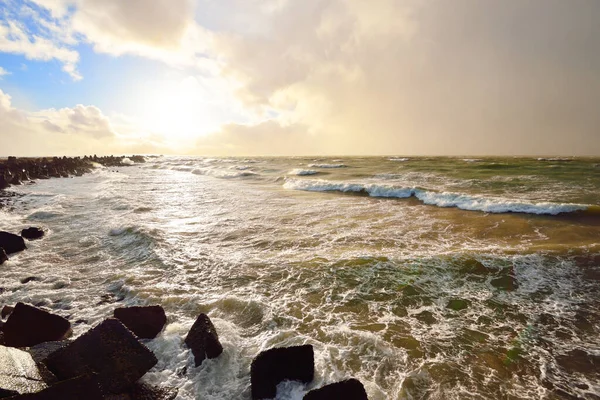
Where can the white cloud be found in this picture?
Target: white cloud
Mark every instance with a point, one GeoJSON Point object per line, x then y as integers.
{"type": "Point", "coordinates": [4, 72]}
{"type": "Point", "coordinates": [17, 39]}
{"type": "Point", "coordinates": [66, 131]}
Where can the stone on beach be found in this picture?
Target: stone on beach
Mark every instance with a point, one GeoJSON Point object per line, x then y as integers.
{"type": "Point", "coordinates": [110, 350]}
{"type": "Point", "coordinates": [273, 366]}
{"type": "Point", "coordinates": [350, 389]}
{"type": "Point", "coordinates": [28, 325]}
{"type": "Point", "coordinates": [11, 243]}
{"type": "Point", "coordinates": [145, 322]}
{"type": "Point", "coordinates": [18, 373]}
{"type": "Point", "coordinates": [203, 340]}
{"type": "Point", "coordinates": [32, 233]}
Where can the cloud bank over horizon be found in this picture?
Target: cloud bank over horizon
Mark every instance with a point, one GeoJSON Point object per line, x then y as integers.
{"type": "Point", "coordinates": [285, 77]}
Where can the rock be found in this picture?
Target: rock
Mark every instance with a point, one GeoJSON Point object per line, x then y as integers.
{"type": "Point", "coordinates": [3, 256]}
{"type": "Point", "coordinates": [145, 322]}
{"type": "Point", "coordinates": [203, 340]}
{"type": "Point", "coordinates": [28, 325]}
{"type": "Point", "coordinates": [271, 367]}
{"type": "Point", "coordinates": [29, 279]}
{"type": "Point", "coordinates": [143, 391]}
{"type": "Point", "coordinates": [41, 351]}
{"type": "Point", "coordinates": [110, 350]}
{"type": "Point", "coordinates": [350, 389]}
{"type": "Point", "coordinates": [6, 310]}
{"type": "Point", "coordinates": [81, 387]}
{"type": "Point", "coordinates": [18, 372]}
{"type": "Point", "coordinates": [11, 243]}
{"type": "Point", "coordinates": [32, 233]}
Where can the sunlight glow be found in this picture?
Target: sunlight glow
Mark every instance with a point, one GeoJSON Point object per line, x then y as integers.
{"type": "Point", "coordinates": [179, 111]}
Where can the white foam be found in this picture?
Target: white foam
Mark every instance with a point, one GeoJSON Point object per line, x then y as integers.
{"type": "Point", "coordinates": [399, 159]}
{"type": "Point", "coordinates": [440, 199]}
{"type": "Point", "coordinates": [127, 161]}
{"type": "Point", "coordinates": [326, 165]}
{"type": "Point", "coordinates": [302, 172]}
{"type": "Point", "coordinates": [225, 174]}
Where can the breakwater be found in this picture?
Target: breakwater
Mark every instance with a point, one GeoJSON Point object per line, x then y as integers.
{"type": "Point", "coordinates": [15, 171]}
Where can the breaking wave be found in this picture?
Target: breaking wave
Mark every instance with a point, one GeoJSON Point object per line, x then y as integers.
{"type": "Point", "coordinates": [303, 172]}
{"type": "Point", "coordinates": [440, 199]}
{"type": "Point", "coordinates": [326, 165]}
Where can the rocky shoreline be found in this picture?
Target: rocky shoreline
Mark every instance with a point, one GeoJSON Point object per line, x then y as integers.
{"type": "Point", "coordinates": [39, 361]}
{"type": "Point", "coordinates": [16, 171]}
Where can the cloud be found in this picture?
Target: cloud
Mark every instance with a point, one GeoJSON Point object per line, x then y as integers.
{"type": "Point", "coordinates": [265, 138]}
{"type": "Point", "coordinates": [50, 41]}
{"type": "Point", "coordinates": [436, 77]}
{"type": "Point", "coordinates": [4, 72]}
{"type": "Point", "coordinates": [67, 131]}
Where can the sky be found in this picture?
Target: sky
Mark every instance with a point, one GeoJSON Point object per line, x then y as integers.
{"type": "Point", "coordinates": [300, 77]}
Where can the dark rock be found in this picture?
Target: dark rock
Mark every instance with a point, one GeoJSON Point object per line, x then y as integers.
{"type": "Point", "coordinates": [271, 367]}
{"type": "Point", "coordinates": [109, 298]}
{"type": "Point", "coordinates": [29, 279]}
{"type": "Point", "coordinates": [6, 310]}
{"type": "Point", "coordinates": [4, 393]}
{"type": "Point", "coordinates": [11, 243]}
{"type": "Point", "coordinates": [18, 372]}
{"type": "Point", "coordinates": [3, 182]}
{"type": "Point", "coordinates": [32, 233]}
{"type": "Point", "coordinates": [110, 350]}
{"type": "Point", "coordinates": [350, 389]}
{"type": "Point", "coordinates": [3, 256]}
{"type": "Point", "coordinates": [203, 340]}
{"type": "Point", "coordinates": [142, 391]}
{"type": "Point", "coordinates": [145, 322]}
{"type": "Point", "coordinates": [41, 351]}
{"type": "Point", "coordinates": [81, 387]}
{"type": "Point", "coordinates": [27, 326]}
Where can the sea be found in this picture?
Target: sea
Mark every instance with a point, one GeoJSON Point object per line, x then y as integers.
{"type": "Point", "coordinates": [423, 277]}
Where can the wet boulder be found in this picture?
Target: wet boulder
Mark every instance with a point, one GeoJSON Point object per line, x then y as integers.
{"type": "Point", "coordinates": [273, 366]}
{"type": "Point", "coordinates": [145, 322]}
{"type": "Point", "coordinates": [18, 373]}
{"type": "Point", "coordinates": [32, 233]}
{"type": "Point", "coordinates": [143, 391]}
{"type": "Point", "coordinates": [109, 350]}
{"type": "Point", "coordinates": [81, 387]}
{"type": "Point", "coordinates": [11, 243]}
{"type": "Point", "coordinates": [6, 310]}
{"type": "Point", "coordinates": [350, 389]}
{"type": "Point", "coordinates": [3, 256]}
{"type": "Point", "coordinates": [203, 340]}
{"type": "Point", "coordinates": [41, 351]}
{"type": "Point", "coordinates": [28, 325]}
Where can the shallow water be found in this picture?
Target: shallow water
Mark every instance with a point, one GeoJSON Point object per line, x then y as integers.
{"type": "Point", "coordinates": [406, 273]}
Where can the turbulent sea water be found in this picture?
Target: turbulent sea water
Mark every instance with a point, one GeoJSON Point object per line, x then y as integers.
{"type": "Point", "coordinates": [425, 278]}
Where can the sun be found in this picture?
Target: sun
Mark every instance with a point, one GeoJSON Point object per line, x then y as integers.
{"type": "Point", "coordinates": [179, 111]}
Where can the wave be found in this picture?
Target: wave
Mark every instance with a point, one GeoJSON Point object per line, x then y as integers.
{"type": "Point", "coordinates": [223, 173]}
{"type": "Point", "coordinates": [303, 172]}
{"type": "Point", "coordinates": [399, 159]}
{"type": "Point", "coordinates": [326, 165]}
{"type": "Point", "coordinates": [554, 159]}
{"type": "Point", "coordinates": [440, 199]}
